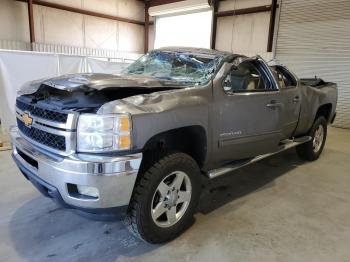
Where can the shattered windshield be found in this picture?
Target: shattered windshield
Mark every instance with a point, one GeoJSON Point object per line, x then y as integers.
{"type": "Point", "coordinates": [184, 68]}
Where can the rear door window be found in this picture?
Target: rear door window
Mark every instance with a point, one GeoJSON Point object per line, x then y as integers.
{"type": "Point", "coordinates": [283, 77]}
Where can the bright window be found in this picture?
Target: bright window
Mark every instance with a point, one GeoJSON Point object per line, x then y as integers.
{"type": "Point", "coordinates": [190, 30]}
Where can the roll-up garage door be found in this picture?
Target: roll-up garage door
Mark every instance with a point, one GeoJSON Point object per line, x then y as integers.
{"type": "Point", "coordinates": [314, 40]}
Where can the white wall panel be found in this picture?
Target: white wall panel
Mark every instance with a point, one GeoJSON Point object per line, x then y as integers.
{"type": "Point", "coordinates": [248, 33]}
{"type": "Point", "coordinates": [259, 31]}
{"type": "Point", "coordinates": [105, 7]}
{"type": "Point", "coordinates": [132, 9]}
{"type": "Point", "coordinates": [38, 24]}
{"type": "Point", "coordinates": [224, 33]}
{"type": "Point", "coordinates": [61, 27]}
{"type": "Point", "coordinates": [314, 39]}
{"type": "Point", "coordinates": [57, 27]}
{"type": "Point", "coordinates": [131, 37]}
{"type": "Point", "coordinates": [242, 33]}
{"type": "Point", "coordinates": [13, 20]}
{"type": "Point", "coordinates": [100, 33]}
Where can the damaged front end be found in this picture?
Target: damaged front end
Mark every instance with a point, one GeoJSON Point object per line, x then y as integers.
{"type": "Point", "coordinates": [157, 71]}
{"type": "Point", "coordinates": [86, 93]}
{"type": "Point", "coordinates": [62, 114]}
{"type": "Point", "coordinates": [146, 87]}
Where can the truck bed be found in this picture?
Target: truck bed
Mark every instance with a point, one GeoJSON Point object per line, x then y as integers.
{"type": "Point", "coordinates": [315, 82]}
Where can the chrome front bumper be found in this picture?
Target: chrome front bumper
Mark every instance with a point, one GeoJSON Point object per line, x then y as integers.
{"type": "Point", "coordinates": [114, 177]}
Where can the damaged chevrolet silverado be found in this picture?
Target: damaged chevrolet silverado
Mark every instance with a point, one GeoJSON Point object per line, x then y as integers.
{"type": "Point", "coordinates": [138, 143]}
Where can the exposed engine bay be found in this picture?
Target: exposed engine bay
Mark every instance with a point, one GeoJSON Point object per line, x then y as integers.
{"type": "Point", "coordinates": [83, 99]}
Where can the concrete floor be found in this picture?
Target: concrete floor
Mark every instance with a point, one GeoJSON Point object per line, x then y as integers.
{"type": "Point", "coordinates": [280, 209]}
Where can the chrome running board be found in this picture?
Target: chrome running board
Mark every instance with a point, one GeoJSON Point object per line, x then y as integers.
{"type": "Point", "coordinates": [286, 144]}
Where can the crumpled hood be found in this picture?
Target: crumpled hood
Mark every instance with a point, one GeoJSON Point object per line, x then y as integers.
{"type": "Point", "coordinates": [96, 81]}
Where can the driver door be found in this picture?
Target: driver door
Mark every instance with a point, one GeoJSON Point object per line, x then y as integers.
{"type": "Point", "coordinates": [247, 112]}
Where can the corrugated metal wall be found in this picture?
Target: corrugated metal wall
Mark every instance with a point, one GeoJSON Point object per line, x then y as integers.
{"type": "Point", "coordinates": [314, 39]}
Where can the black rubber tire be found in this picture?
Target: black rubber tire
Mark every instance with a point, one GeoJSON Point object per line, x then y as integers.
{"type": "Point", "coordinates": [305, 151]}
{"type": "Point", "coordinates": [139, 219]}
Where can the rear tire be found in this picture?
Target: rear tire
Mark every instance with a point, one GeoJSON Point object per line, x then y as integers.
{"type": "Point", "coordinates": [312, 150]}
{"type": "Point", "coordinates": [165, 199]}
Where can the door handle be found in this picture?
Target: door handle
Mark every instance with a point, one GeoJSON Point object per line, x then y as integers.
{"type": "Point", "coordinates": [296, 99]}
{"type": "Point", "coordinates": [273, 104]}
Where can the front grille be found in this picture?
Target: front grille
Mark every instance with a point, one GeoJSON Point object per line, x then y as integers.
{"type": "Point", "coordinates": [51, 140]}
{"type": "Point", "coordinates": [24, 106]}
{"type": "Point", "coordinates": [42, 113]}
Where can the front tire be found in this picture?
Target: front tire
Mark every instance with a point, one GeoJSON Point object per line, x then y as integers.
{"type": "Point", "coordinates": [165, 199]}
{"type": "Point", "coordinates": [312, 150]}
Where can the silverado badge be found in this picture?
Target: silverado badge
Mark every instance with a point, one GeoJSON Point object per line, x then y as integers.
{"type": "Point", "coordinates": [27, 120]}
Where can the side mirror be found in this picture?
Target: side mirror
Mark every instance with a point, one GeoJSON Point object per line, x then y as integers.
{"type": "Point", "coordinates": [227, 84]}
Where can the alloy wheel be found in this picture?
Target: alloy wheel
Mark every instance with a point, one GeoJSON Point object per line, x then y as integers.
{"type": "Point", "coordinates": [171, 199]}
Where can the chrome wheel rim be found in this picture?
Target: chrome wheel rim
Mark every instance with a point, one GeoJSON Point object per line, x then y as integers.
{"type": "Point", "coordinates": [318, 139]}
{"type": "Point", "coordinates": [171, 199]}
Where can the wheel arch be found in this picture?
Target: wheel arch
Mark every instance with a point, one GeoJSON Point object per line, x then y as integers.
{"type": "Point", "coordinates": [191, 140]}
{"type": "Point", "coordinates": [324, 110]}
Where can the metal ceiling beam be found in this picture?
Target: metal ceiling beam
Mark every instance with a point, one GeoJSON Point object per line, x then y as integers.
{"type": "Point", "coordinates": [146, 28]}
{"type": "Point", "coordinates": [272, 25]}
{"type": "Point", "coordinates": [244, 11]}
{"type": "Point", "coordinates": [215, 4]}
{"type": "Point", "coordinates": [162, 2]}
{"type": "Point", "coordinates": [31, 21]}
{"type": "Point", "coordinates": [83, 11]}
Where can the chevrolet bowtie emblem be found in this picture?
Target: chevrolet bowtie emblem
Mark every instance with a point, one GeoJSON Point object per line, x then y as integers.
{"type": "Point", "coordinates": [27, 120]}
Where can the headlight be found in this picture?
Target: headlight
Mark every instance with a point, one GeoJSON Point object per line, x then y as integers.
{"type": "Point", "coordinates": [103, 133]}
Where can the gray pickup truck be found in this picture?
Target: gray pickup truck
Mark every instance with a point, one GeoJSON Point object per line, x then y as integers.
{"type": "Point", "coordinates": [138, 143]}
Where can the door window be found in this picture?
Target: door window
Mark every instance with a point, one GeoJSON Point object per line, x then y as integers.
{"type": "Point", "coordinates": [284, 78]}
{"type": "Point", "coordinates": [246, 77]}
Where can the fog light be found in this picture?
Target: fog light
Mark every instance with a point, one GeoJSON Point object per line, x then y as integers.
{"type": "Point", "coordinates": [88, 191]}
